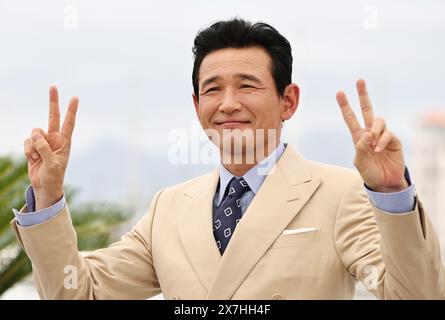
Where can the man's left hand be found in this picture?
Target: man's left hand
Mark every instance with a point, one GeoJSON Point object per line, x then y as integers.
{"type": "Point", "coordinates": [379, 156]}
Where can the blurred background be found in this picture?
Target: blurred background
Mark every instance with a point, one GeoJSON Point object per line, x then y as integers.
{"type": "Point", "coordinates": [130, 63]}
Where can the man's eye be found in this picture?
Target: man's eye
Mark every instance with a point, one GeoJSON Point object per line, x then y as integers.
{"type": "Point", "coordinates": [212, 89]}
{"type": "Point", "coordinates": [243, 86]}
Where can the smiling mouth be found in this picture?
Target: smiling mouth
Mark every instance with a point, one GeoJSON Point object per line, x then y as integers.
{"type": "Point", "coordinates": [232, 123]}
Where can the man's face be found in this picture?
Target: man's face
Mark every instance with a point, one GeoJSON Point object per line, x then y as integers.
{"type": "Point", "coordinates": [237, 91]}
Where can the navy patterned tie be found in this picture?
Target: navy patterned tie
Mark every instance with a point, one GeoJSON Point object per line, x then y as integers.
{"type": "Point", "coordinates": [228, 214]}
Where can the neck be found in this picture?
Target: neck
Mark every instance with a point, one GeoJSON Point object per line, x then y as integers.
{"type": "Point", "coordinates": [240, 169]}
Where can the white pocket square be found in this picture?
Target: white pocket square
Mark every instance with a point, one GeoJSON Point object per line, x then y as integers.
{"type": "Point", "coordinates": [298, 230]}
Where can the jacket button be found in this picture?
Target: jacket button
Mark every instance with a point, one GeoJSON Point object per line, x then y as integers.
{"type": "Point", "coordinates": [277, 296]}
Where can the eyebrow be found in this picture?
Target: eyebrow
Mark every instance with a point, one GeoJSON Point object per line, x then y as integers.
{"type": "Point", "coordinates": [250, 77]}
{"type": "Point", "coordinates": [242, 76]}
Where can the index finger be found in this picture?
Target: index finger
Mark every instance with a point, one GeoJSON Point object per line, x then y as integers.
{"type": "Point", "coordinates": [70, 118]}
{"type": "Point", "coordinates": [365, 103]}
{"type": "Point", "coordinates": [54, 112]}
{"type": "Point", "coordinates": [349, 116]}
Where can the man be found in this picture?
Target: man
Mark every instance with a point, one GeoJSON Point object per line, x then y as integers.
{"type": "Point", "coordinates": [267, 224]}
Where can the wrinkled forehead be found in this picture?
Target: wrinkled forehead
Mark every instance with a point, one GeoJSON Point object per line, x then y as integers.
{"type": "Point", "coordinates": [226, 63]}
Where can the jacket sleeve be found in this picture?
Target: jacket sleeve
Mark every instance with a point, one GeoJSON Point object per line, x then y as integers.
{"type": "Point", "coordinates": [396, 256]}
{"type": "Point", "coordinates": [124, 270]}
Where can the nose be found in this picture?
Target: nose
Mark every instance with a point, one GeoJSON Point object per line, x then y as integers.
{"type": "Point", "coordinates": [230, 102]}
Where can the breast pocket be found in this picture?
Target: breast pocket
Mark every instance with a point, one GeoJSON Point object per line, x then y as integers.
{"type": "Point", "coordinates": [296, 237]}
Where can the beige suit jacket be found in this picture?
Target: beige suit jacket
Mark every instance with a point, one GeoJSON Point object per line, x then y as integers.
{"type": "Point", "coordinates": [334, 237]}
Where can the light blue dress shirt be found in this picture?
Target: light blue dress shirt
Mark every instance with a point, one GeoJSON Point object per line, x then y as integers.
{"type": "Point", "coordinates": [397, 202]}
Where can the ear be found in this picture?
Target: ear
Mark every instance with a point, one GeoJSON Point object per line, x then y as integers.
{"type": "Point", "coordinates": [196, 103]}
{"type": "Point", "coordinates": [291, 99]}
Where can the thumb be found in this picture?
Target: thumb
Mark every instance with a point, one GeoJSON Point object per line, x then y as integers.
{"type": "Point", "coordinates": [42, 147]}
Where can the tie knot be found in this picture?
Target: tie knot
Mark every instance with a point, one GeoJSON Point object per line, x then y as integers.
{"type": "Point", "coordinates": [237, 187]}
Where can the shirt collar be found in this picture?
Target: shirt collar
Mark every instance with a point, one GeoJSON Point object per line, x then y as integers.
{"type": "Point", "coordinates": [254, 177]}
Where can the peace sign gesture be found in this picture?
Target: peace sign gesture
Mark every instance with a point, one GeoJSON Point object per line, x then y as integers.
{"type": "Point", "coordinates": [48, 152]}
{"type": "Point", "coordinates": [379, 157]}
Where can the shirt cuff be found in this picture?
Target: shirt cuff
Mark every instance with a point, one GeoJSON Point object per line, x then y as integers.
{"type": "Point", "coordinates": [33, 217]}
{"type": "Point", "coordinates": [394, 202]}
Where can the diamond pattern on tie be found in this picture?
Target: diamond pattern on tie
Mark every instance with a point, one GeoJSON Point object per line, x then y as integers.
{"type": "Point", "coordinates": [228, 214]}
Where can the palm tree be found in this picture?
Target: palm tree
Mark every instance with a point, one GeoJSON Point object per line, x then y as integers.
{"type": "Point", "coordinates": [95, 223]}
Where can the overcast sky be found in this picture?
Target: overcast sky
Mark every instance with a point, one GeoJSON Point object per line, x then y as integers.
{"type": "Point", "coordinates": [130, 63]}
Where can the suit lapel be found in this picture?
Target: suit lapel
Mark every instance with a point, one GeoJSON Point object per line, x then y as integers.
{"type": "Point", "coordinates": [195, 226]}
{"type": "Point", "coordinates": [281, 197]}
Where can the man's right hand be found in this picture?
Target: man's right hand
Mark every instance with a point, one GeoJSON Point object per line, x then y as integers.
{"type": "Point", "coordinates": [48, 153]}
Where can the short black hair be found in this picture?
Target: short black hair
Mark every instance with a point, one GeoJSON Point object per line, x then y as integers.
{"type": "Point", "coordinates": [239, 33]}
